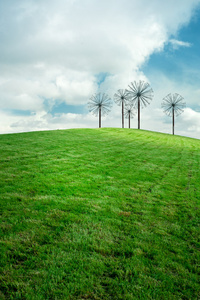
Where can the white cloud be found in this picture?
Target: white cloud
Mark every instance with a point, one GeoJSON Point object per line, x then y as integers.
{"type": "Point", "coordinates": [177, 44]}
{"type": "Point", "coordinates": [191, 119]}
{"type": "Point", "coordinates": [55, 49]}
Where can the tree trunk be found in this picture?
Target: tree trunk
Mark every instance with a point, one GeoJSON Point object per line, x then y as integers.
{"type": "Point", "coordinates": [129, 120]}
{"type": "Point", "coordinates": [173, 120]}
{"type": "Point", "coordinates": [138, 113]}
{"type": "Point", "coordinates": [99, 117]}
{"type": "Point", "coordinates": [122, 114]}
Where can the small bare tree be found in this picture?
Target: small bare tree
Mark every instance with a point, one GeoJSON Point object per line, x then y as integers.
{"type": "Point", "coordinates": [140, 94]}
{"type": "Point", "coordinates": [129, 113]}
{"type": "Point", "coordinates": [100, 104]}
{"type": "Point", "coordinates": [120, 98]}
{"type": "Point", "coordinates": [173, 105]}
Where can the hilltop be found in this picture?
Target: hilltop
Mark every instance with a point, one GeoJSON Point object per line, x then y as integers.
{"type": "Point", "coordinates": [99, 214]}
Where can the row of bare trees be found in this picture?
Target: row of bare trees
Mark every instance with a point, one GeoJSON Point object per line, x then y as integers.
{"type": "Point", "coordinates": [139, 94]}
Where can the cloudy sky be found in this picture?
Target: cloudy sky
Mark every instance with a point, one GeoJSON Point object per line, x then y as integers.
{"type": "Point", "coordinates": [55, 54]}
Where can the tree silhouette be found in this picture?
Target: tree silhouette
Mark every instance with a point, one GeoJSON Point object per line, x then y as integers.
{"type": "Point", "coordinates": [100, 104]}
{"type": "Point", "coordinates": [129, 113]}
{"type": "Point", "coordinates": [173, 105]}
{"type": "Point", "coordinates": [140, 94]}
{"type": "Point", "coordinates": [120, 98]}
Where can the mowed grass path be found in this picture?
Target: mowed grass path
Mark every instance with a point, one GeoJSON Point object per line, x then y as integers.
{"type": "Point", "coordinates": [99, 214]}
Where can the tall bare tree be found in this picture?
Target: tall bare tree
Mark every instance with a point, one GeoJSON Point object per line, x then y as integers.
{"type": "Point", "coordinates": [173, 106]}
{"type": "Point", "coordinates": [129, 113]}
{"type": "Point", "coordinates": [140, 94]}
{"type": "Point", "coordinates": [120, 98]}
{"type": "Point", "coordinates": [100, 104]}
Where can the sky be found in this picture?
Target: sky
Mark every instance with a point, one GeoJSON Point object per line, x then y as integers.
{"type": "Point", "coordinates": [55, 55]}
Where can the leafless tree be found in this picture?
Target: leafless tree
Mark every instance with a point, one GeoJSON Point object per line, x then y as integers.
{"type": "Point", "coordinates": [140, 94]}
{"type": "Point", "coordinates": [129, 113]}
{"type": "Point", "coordinates": [100, 104]}
{"type": "Point", "coordinates": [173, 106]}
{"type": "Point", "coordinates": [120, 98]}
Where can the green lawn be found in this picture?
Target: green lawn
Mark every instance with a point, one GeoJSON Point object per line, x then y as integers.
{"type": "Point", "coordinates": [99, 214]}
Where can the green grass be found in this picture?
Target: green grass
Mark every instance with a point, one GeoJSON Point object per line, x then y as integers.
{"type": "Point", "coordinates": [99, 214]}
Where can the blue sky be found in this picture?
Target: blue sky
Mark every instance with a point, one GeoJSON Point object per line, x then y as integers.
{"type": "Point", "coordinates": [180, 63]}
{"type": "Point", "coordinates": [55, 55]}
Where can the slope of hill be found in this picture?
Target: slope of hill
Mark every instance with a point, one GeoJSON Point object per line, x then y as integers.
{"type": "Point", "coordinates": [99, 214]}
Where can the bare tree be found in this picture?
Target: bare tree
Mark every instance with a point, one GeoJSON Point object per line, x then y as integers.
{"type": "Point", "coordinates": [120, 98]}
{"type": "Point", "coordinates": [173, 105]}
{"type": "Point", "coordinates": [129, 113]}
{"type": "Point", "coordinates": [100, 104]}
{"type": "Point", "coordinates": [140, 94]}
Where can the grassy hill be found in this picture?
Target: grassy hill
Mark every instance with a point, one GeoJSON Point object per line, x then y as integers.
{"type": "Point", "coordinates": [99, 214]}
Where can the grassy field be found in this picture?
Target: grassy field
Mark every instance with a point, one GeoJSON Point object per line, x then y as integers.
{"type": "Point", "coordinates": [99, 214]}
